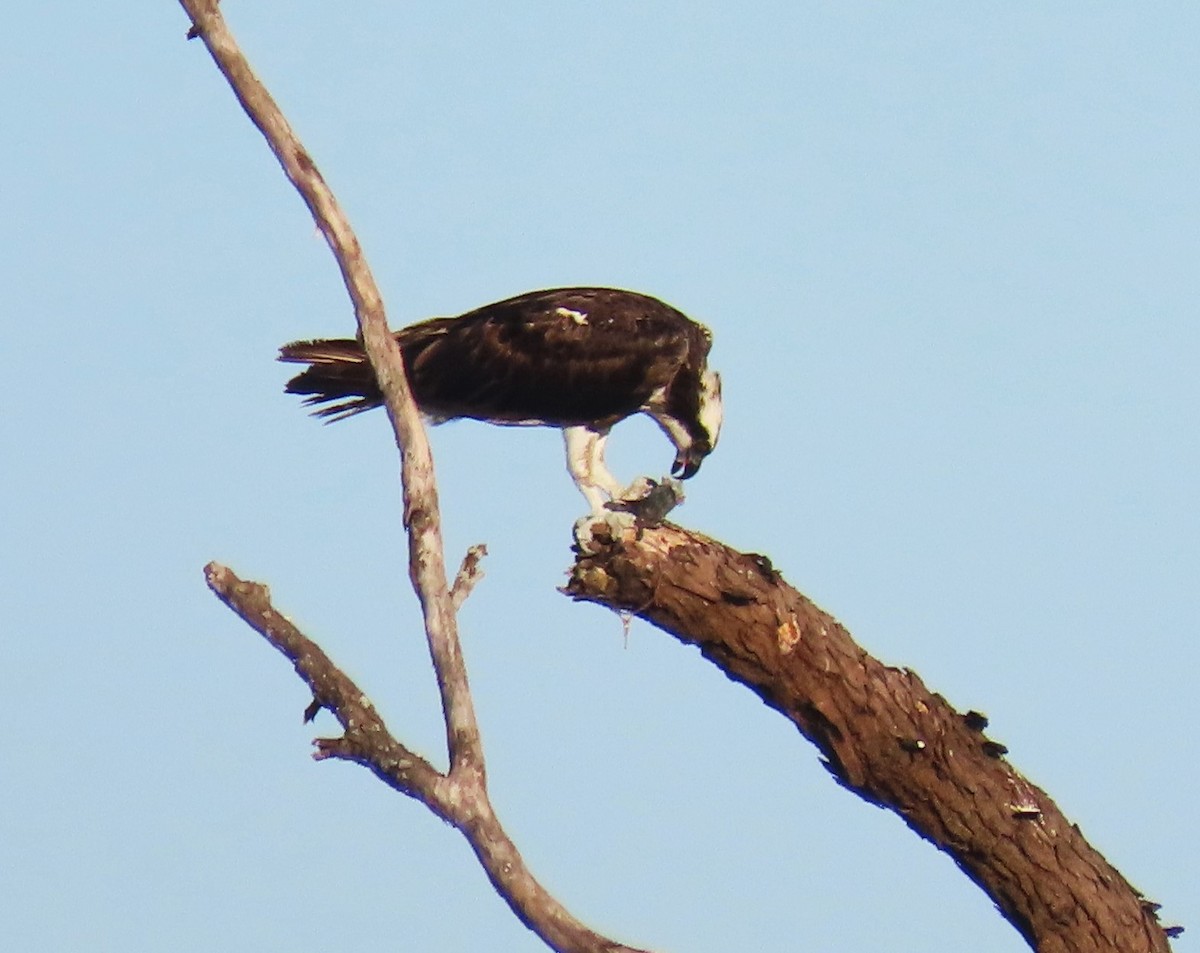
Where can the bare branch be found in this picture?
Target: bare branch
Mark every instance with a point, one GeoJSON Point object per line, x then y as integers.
{"type": "Point", "coordinates": [331, 688]}
{"type": "Point", "coordinates": [421, 514]}
{"type": "Point", "coordinates": [883, 735]}
{"type": "Point", "coordinates": [462, 802]}
{"type": "Point", "coordinates": [460, 797]}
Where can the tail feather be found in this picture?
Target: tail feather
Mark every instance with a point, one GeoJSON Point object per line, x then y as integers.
{"type": "Point", "coordinates": [323, 351]}
{"type": "Point", "coordinates": [338, 382]}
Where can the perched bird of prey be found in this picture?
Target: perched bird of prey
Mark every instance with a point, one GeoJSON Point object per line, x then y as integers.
{"type": "Point", "coordinates": [580, 359]}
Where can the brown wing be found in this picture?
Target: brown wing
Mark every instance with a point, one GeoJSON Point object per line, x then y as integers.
{"type": "Point", "coordinates": [563, 356]}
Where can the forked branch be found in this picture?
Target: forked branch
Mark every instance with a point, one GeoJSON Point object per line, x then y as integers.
{"type": "Point", "coordinates": [882, 733]}
{"type": "Point", "coordinates": [460, 796]}
{"type": "Point", "coordinates": [461, 801]}
{"type": "Point", "coordinates": [426, 559]}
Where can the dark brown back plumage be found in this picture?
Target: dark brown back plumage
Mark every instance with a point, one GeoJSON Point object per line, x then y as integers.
{"type": "Point", "coordinates": [562, 357]}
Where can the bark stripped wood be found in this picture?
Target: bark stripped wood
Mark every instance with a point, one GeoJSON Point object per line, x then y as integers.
{"type": "Point", "coordinates": [460, 796]}
{"type": "Point", "coordinates": [458, 800]}
{"type": "Point", "coordinates": [881, 732]}
{"type": "Point", "coordinates": [422, 518]}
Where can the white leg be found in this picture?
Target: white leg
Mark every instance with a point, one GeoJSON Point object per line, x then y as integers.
{"type": "Point", "coordinates": [585, 461]}
{"type": "Point", "coordinates": [600, 475]}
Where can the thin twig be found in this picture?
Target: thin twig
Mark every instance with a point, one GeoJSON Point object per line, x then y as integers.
{"type": "Point", "coordinates": [469, 574]}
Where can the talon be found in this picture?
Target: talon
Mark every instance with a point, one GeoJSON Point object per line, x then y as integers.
{"type": "Point", "coordinates": [596, 532]}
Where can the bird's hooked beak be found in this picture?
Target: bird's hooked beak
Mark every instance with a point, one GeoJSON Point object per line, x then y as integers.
{"type": "Point", "coordinates": [687, 462]}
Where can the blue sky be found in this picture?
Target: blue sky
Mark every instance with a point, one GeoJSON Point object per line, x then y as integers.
{"type": "Point", "coordinates": [948, 253]}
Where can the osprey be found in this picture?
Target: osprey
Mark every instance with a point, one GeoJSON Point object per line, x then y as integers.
{"type": "Point", "coordinates": [580, 359]}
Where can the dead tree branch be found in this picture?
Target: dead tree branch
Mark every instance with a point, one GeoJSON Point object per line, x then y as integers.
{"type": "Point", "coordinates": [883, 735]}
{"type": "Point", "coordinates": [460, 796]}
{"type": "Point", "coordinates": [881, 732]}
{"type": "Point", "coordinates": [460, 801]}
{"type": "Point", "coordinates": [421, 514]}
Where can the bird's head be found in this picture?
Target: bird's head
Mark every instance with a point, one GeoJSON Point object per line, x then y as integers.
{"type": "Point", "coordinates": [704, 436]}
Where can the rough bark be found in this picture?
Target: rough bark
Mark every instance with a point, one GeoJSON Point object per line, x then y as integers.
{"type": "Point", "coordinates": [881, 732]}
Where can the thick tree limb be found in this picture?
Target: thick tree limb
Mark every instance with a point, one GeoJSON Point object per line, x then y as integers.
{"type": "Point", "coordinates": [882, 733]}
